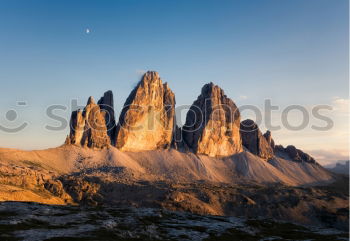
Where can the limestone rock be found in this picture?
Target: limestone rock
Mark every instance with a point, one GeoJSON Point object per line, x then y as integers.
{"type": "Point", "coordinates": [269, 139]}
{"type": "Point", "coordinates": [212, 124]}
{"type": "Point", "coordinates": [254, 141]}
{"type": "Point", "coordinates": [178, 142]}
{"type": "Point", "coordinates": [148, 117]}
{"type": "Point", "coordinates": [106, 104]}
{"type": "Point", "coordinates": [295, 154]}
{"type": "Point", "coordinates": [88, 127]}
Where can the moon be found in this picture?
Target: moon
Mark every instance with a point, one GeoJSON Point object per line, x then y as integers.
{"type": "Point", "coordinates": [87, 31]}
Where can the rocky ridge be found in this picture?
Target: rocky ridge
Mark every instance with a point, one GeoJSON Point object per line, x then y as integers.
{"type": "Point", "coordinates": [147, 122]}
{"type": "Point", "coordinates": [294, 154]}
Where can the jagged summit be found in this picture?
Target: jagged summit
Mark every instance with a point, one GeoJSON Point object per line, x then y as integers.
{"type": "Point", "coordinates": [151, 76]}
{"type": "Point", "coordinates": [91, 101]}
{"type": "Point", "coordinates": [148, 117]}
{"type": "Point", "coordinates": [88, 127]}
{"type": "Point", "coordinates": [212, 124]}
{"type": "Point", "coordinates": [270, 141]}
{"type": "Point", "coordinates": [254, 141]}
{"type": "Point", "coordinates": [147, 122]}
{"type": "Point", "coordinates": [106, 104]}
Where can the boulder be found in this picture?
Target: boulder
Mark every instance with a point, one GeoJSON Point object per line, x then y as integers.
{"type": "Point", "coordinates": [254, 141]}
{"type": "Point", "coordinates": [148, 118]}
{"type": "Point", "coordinates": [212, 124]}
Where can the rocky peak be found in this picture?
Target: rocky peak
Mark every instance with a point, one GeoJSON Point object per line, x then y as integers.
{"type": "Point", "coordinates": [106, 104]}
{"type": "Point", "coordinates": [269, 139]}
{"type": "Point", "coordinates": [91, 101]}
{"type": "Point", "coordinates": [294, 154]}
{"type": "Point", "coordinates": [107, 99]}
{"type": "Point", "coordinates": [88, 128]}
{"type": "Point", "coordinates": [148, 117]}
{"type": "Point", "coordinates": [254, 141]}
{"type": "Point", "coordinates": [212, 124]}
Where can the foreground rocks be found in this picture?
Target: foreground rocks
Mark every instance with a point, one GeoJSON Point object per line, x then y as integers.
{"type": "Point", "coordinates": [239, 185]}
{"type": "Point", "coordinates": [148, 117]}
{"type": "Point", "coordinates": [325, 205]}
{"type": "Point", "coordinates": [29, 181]}
{"type": "Point", "coordinates": [212, 124]}
{"type": "Point", "coordinates": [25, 221]}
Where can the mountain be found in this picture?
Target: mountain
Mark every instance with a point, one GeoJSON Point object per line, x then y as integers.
{"type": "Point", "coordinates": [106, 104]}
{"type": "Point", "coordinates": [215, 164]}
{"type": "Point", "coordinates": [148, 118]}
{"type": "Point", "coordinates": [254, 141]}
{"type": "Point", "coordinates": [147, 122]}
{"type": "Point", "coordinates": [341, 167]}
{"type": "Point", "coordinates": [88, 127]}
{"type": "Point", "coordinates": [213, 145]}
{"type": "Point", "coordinates": [212, 124]}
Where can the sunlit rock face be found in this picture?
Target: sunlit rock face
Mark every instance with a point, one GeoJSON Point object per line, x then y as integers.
{"type": "Point", "coordinates": [269, 139]}
{"type": "Point", "coordinates": [254, 141]}
{"type": "Point", "coordinates": [148, 117]}
{"type": "Point", "coordinates": [212, 124]}
{"type": "Point", "coordinates": [88, 127]}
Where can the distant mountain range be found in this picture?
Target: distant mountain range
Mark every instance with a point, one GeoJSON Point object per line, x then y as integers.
{"type": "Point", "coordinates": [341, 167]}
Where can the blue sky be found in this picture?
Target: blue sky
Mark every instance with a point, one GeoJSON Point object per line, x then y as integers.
{"type": "Point", "coordinates": [291, 51]}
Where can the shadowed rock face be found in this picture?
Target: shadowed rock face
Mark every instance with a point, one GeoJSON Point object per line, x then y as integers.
{"type": "Point", "coordinates": [295, 154]}
{"type": "Point", "coordinates": [212, 124]}
{"type": "Point", "coordinates": [88, 127]}
{"type": "Point", "coordinates": [106, 104]}
{"type": "Point", "coordinates": [148, 117]}
{"type": "Point", "coordinates": [254, 141]}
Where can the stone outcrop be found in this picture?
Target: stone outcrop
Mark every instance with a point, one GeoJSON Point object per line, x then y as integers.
{"type": "Point", "coordinates": [254, 141]}
{"type": "Point", "coordinates": [269, 139]}
{"type": "Point", "coordinates": [88, 127]}
{"type": "Point", "coordinates": [212, 124]}
{"type": "Point", "coordinates": [106, 104]}
{"type": "Point", "coordinates": [294, 154]}
{"type": "Point", "coordinates": [148, 122]}
{"type": "Point", "coordinates": [148, 117]}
